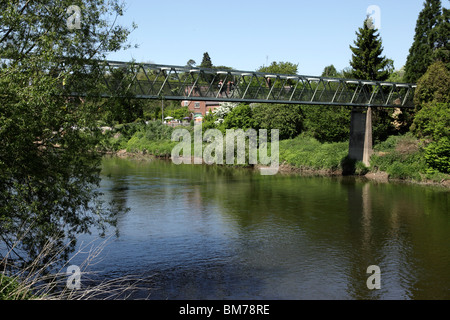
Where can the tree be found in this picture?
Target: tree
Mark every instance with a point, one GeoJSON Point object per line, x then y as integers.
{"type": "Point", "coordinates": [421, 51]}
{"type": "Point", "coordinates": [286, 118]}
{"type": "Point", "coordinates": [287, 68]}
{"type": "Point", "coordinates": [191, 63]}
{"type": "Point", "coordinates": [240, 117]}
{"type": "Point", "coordinates": [367, 61]}
{"type": "Point", "coordinates": [206, 61]}
{"type": "Point", "coordinates": [330, 71]}
{"type": "Point", "coordinates": [434, 85]}
{"type": "Point", "coordinates": [432, 121]}
{"type": "Point", "coordinates": [49, 170]}
{"type": "Point", "coordinates": [368, 64]}
{"type": "Point", "coordinates": [441, 34]}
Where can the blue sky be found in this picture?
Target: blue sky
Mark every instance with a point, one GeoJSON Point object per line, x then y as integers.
{"type": "Point", "coordinates": [247, 34]}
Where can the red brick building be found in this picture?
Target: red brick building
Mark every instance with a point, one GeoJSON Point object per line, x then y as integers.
{"type": "Point", "coordinates": [200, 108]}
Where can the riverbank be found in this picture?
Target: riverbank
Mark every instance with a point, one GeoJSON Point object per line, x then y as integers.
{"type": "Point", "coordinates": [399, 158]}
{"type": "Point", "coordinates": [287, 169]}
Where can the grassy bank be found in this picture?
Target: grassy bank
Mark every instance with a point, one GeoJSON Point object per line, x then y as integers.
{"type": "Point", "coordinates": [400, 157]}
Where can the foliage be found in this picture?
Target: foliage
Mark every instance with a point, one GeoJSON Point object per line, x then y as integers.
{"type": "Point", "coordinates": [308, 153]}
{"type": "Point", "coordinates": [434, 85]}
{"type": "Point", "coordinates": [397, 76]}
{"type": "Point", "coordinates": [241, 117]}
{"type": "Point", "coordinates": [178, 113]}
{"type": "Point", "coordinates": [330, 71]}
{"type": "Point", "coordinates": [286, 118]}
{"type": "Point", "coordinates": [223, 109]}
{"type": "Point", "coordinates": [441, 34]}
{"type": "Point", "coordinates": [287, 68]}
{"type": "Point", "coordinates": [432, 122]}
{"type": "Point", "coordinates": [153, 138]}
{"type": "Point", "coordinates": [403, 157]}
{"type": "Point", "coordinates": [8, 288]}
{"type": "Point", "coordinates": [367, 62]}
{"type": "Point", "coordinates": [327, 123]}
{"type": "Point", "coordinates": [206, 61]}
{"type": "Point", "coordinates": [48, 172]}
{"type": "Point", "coordinates": [382, 125]}
{"type": "Point", "coordinates": [437, 155]}
{"type": "Point", "coordinates": [421, 51]}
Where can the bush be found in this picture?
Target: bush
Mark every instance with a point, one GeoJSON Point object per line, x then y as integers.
{"type": "Point", "coordinates": [9, 288]}
{"type": "Point", "coordinates": [433, 121]}
{"type": "Point", "coordinates": [437, 155]}
{"type": "Point", "coordinates": [240, 118]}
{"type": "Point", "coordinates": [402, 158]}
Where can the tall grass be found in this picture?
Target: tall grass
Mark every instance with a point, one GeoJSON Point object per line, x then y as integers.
{"type": "Point", "coordinates": [306, 152]}
{"type": "Point", "coordinates": [34, 282]}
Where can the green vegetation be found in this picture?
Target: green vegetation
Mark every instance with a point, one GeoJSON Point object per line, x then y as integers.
{"type": "Point", "coordinates": [49, 172]}
{"type": "Point", "coordinates": [10, 289]}
{"type": "Point", "coordinates": [430, 40]}
{"type": "Point", "coordinates": [306, 152]}
{"type": "Point", "coordinates": [367, 61]}
{"type": "Point", "coordinates": [49, 175]}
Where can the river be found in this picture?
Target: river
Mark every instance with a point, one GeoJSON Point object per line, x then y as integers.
{"type": "Point", "coordinates": [209, 232]}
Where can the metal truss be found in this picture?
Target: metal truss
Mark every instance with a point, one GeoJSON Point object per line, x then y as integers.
{"type": "Point", "coordinates": [152, 81]}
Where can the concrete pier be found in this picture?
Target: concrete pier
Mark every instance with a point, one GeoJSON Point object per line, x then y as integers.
{"type": "Point", "coordinates": [360, 146]}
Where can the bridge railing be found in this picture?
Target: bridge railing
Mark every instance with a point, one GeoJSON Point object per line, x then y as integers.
{"type": "Point", "coordinates": [152, 81]}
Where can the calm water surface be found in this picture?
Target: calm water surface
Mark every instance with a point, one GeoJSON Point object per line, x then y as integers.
{"type": "Point", "coordinates": [205, 232]}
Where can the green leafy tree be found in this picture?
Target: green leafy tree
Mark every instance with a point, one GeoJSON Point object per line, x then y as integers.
{"type": "Point", "coordinates": [425, 41]}
{"type": "Point", "coordinates": [287, 68]}
{"type": "Point", "coordinates": [285, 118]}
{"type": "Point", "coordinates": [49, 171]}
{"type": "Point", "coordinates": [434, 85]}
{"type": "Point", "coordinates": [327, 123]}
{"type": "Point", "coordinates": [432, 121]}
{"type": "Point", "coordinates": [240, 117]}
{"type": "Point", "coordinates": [330, 71]}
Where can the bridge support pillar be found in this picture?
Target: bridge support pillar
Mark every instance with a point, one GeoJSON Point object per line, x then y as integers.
{"type": "Point", "coordinates": [360, 146]}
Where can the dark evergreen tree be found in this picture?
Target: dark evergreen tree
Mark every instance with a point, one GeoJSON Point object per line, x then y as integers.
{"type": "Point", "coordinates": [425, 41]}
{"type": "Point", "coordinates": [367, 61]}
{"type": "Point", "coordinates": [441, 36]}
{"type": "Point", "coordinates": [368, 64]}
{"type": "Point", "coordinates": [206, 62]}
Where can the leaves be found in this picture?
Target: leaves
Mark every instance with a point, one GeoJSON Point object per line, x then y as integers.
{"type": "Point", "coordinates": [49, 171]}
{"type": "Point", "coordinates": [426, 40]}
{"type": "Point", "coordinates": [367, 61]}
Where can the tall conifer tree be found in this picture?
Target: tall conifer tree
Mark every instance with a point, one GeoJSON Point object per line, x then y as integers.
{"type": "Point", "coordinates": [367, 61]}
{"type": "Point", "coordinates": [425, 40]}
{"type": "Point", "coordinates": [206, 62]}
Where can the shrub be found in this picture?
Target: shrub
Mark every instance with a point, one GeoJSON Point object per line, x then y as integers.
{"type": "Point", "coordinates": [437, 155]}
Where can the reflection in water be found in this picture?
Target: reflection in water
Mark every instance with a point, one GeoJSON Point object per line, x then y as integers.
{"type": "Point", "coordinates": [207, 232]}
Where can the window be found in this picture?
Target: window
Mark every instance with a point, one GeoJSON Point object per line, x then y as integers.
{"type": "Point", "coordinates": [197, 105]}
{"type": "Point", "coordinates": [186, 103]}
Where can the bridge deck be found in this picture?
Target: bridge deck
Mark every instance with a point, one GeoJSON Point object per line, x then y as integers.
{"type": "Point", "coordinates": [152, 81]}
